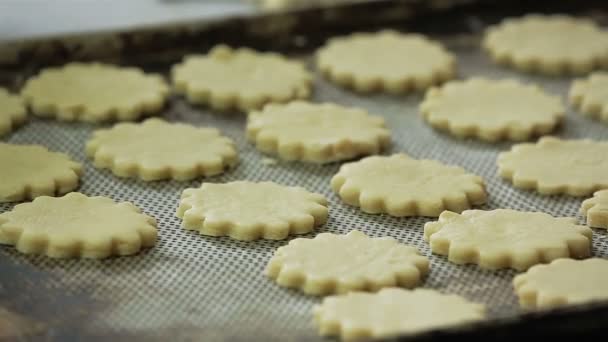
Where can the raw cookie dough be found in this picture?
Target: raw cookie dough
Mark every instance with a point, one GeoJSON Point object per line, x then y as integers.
{"type": "Point", "coordinates": [549, 44]}
{"type": "Point", "coordinates": [12, 112]}
{"type": "Point", "coordinates": [391, 312]}
{"type": "Point", "coordinates": [77, 226]}
{"type": "Point", "coordinates": [29, 171]}
{"type": "Point", "coordinates": [402, 186]}
{"type": "Point", "coordinates": [492, 110]}
{"type": "Point", "coordinates": [385, 61]}
{"type": "Point", "coordinates": [554, 166]}
{"type": "Point", "coordinates": [248, 211]}
{"type": "Point", "coordinates": [590, 96]}
{"type": "Point", "coordinates": [318, 133]}
{"type": "Point", "coordinates": [95, 92]}
{"type": "Point", "coordinates": [596, 209]}
{"type": "Point", "coordinates": [240, 79]}
{"type": "Point", "coordinates": [331, 263]}
{"type": "Point", "coordinates": [505, 238]}
{"type": "Point", "coordinates": [156, 149]}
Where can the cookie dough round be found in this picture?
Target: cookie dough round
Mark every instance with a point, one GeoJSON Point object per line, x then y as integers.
{"type": "Point", "coordinates": [12, 112]}
{"type": "Point", "coordinates": [596, 210]}
{"type": "Point", "coordinates": [156, 150]}
{"type": "Point", "coordinates": [95, 92]}
{"type": "Point", "coordinates": [242, 79]}
{"type": "Point", "coordinates": [385, 61]}
{"type": "Point", "coordinates": [492, 110]}
{"type": "Point", "coordinates": [590, 96]}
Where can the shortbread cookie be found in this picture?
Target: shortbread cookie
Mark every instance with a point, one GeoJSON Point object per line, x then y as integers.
{"type": "Point", "coordinates": [391, 312]}
{"type": "Point", "coordinates": [95, 92]}
{"type": "Point", "coordinates": [240, 79]}
{"type": "Point", "coordinates": [590, 96]}
{"type": "Point", "coordinates": [77, 226]}
{"type": "Point", "coordinates": [554, 44]}
{"type": "Point", "coordinates": [505, 238]}
{"type": "Point", "coordinates": [385, 61]}
{"type": "Point", "coordinates": [248, 211]}
{"type": "Point", "coordinates": [403, 186]}
{"type": "Point", "coordinates": [156, 149]}
{"type": "Point", "coordinates": [331, 263]}
{"type": "Point", "coordinates": [492, 110]}
{"type": "Point", "coordinates": [596, 209]}
{"type": "Point", "coordinates": [29, 171]}
{"type": "Point", "coordinates": [563, 282]}
{"type": "Point", "coordinates": [12, 112]}
{"type": "Point", "coordinates": [554, 166]}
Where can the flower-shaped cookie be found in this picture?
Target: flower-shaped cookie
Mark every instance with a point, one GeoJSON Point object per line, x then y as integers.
{"type": "Point", "coordinates": [554, 44]}
{"type": "Point", "coordinates": [590, 96]}
{"type": "Point", "coordinates": [331, 263]}
{"type": "Point", "coordinates": [391, 312]}
{"type": "Point", "coordinates": [555, 166]}
{"type": "Point", "coordinates": [596, 209]}
{"type": "Point", "coordinates": [12, 111]}
{"type": "Point", "coordinates": [240, 79]}
{"type": "Point", "coordinates": [492, 110]}
{"type": "Point", "coordinates": [29, 171]}
{"type": "Point", "coordinates": [77, 226]}
{"type": "Point", "coordinates": [403, 186]}
{"type": "Point", "coordinates": [386, 61]}
{"type": "Point", "coordinates": [156, 149]}
{"type": "Point", "coordinates": [505, 238]}
{"type": "Point", "coordinates": [95, 92]}
{"type": "Point", "coordinates": [318, 133]}
{"type": "Point", "coordinates": [248, 211]}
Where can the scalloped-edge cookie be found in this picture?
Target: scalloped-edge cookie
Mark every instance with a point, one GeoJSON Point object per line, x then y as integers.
{"type": "Point", "coordinates": [77, 226]}
{"type": "Point", "coordinates": [385, 61]}
{"type": "Point", "coordinates": [12, 112]}
{"type": "Point", "coordinates": [492, 110]}
{"type": "Point", "coordinates": [392, 312]}
{"type": "Point", "coordinates": [248, 211]}
{"type": "Point", "coordinates": [95, 92]}
{"type": "Point", "coordinates": [402, 186]}
{"type": "Point", "coordinates": [334, 263]}
{"type": "Point", "coordinates": [318, 133]}
{"type": "Point", "coordinates": [505, 238]}
{"type": "Point", "coordinates": [582, 165]}
{"type": "Point", "coordinates": [590, 96]}
{"type": "Point", "coordinates": [157, 150]}
{"type": "Point", "coordinates": [596, 209]}
{"type": "Point", "coordinates": [29, 171]}
{"type": "Point", "coordinates": [535, 43]}
{"type": "Point", "coordinates": [242, 79]}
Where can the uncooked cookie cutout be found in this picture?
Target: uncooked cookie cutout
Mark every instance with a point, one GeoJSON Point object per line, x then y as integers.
{"type": "Point", "coordinates": [402, 186]}
{"type": "Point", "coordinates": [332, 263]}
{"type": "Point", "coordinates": [590, 96]}
{"type": "Point", "coordinates": [12, 112]}
{"type": "Point", "coordinates": [95, 92]}
{"type": "Point", "coordinates": [385, 61]}
{"type": "Point", "coordinates": [29, 171]}
{"type": "Point", "coordinates": [563, 282]}
{"type": "Point", "coordinates": [492, 110]}
{"type": "Point", "coordinates": [548, 44]}
{"type": "Point", "coordinates": [156, 150]}
{"type": "Point", "coordinates": [242, 79]}
{"type": "Point", "coordinates": [77, 226]}
{"type": "Point", "coordinates": [318, 133]}
{"type": "Point", "coordinates": [249, 211]}
{"type": "Point", "coordinates": [392, 312]}
{"type": "Point", "coordinates": [554, 166]}
{"type": "Point", "coordinates": [596, 209]}
{"type": "Point", "coordinates": [505, 238]}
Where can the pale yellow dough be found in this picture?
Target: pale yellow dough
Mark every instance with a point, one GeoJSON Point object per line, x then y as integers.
{"type": "Point", "coordinates": [12, 112]}
{"type": "Point", "coordinates": [156, 149]}
{"type": "Point", "coordinates": [402, 186]}
{"type": "Point", "coordinates": [492, 110]}
{"type": "Point", "coordinates": [331, 263]}
{"type": "Point", "coordinates": [549, 44]}
{"type": "Point", "coordinates": [77, 226]}
{"type": "Point", "coordinates": [242, 79]}
{"type": "Point", "coordinates": [318, 133]}
{"type": "Point", "coordinates": [392, 312]}
{"type": "Point", "coordinates": [505, 238]}
{"type": "Point", "coordinates": [29, 171]}
{"type": "Point", "coordinates": [95, 92]}
{"type": "Point", "coordinates": [563, 282]}
{"type": "Point", "coordinates": [590, 96]}
{"type": "Point", "coordinates": [596, 209]}
{"type": "Point", "coordinates": [248, 211]}
{"type": "Point", "coordinates": [554, 166]}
